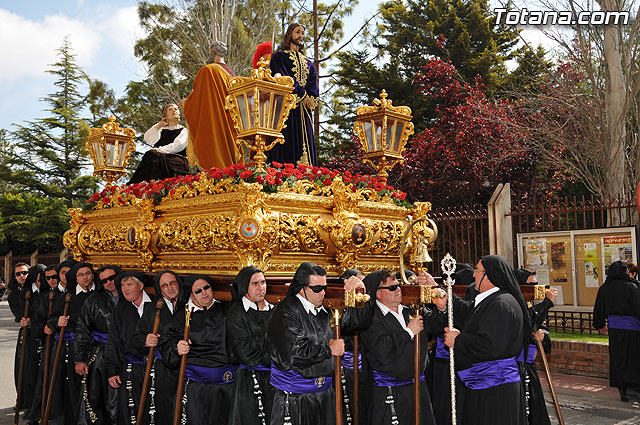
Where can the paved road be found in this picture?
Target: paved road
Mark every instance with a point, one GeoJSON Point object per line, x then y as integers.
{"type": "Point", "coordinates": [584, 401]}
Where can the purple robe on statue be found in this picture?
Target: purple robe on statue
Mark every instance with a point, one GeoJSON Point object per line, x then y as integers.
{"type": "Point", "coordinates": [298, 144]}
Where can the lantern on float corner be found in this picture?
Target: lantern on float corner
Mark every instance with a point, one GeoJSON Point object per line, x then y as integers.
{"type": "Point", "coordinates": [110, 148]}
{"type": "Point", "coordinates": [259, 106]}
{"type": "Point", "coordinates": [383, 130]}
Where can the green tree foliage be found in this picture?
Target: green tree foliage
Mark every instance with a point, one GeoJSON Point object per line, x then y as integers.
{"type": "Point", "coordinates": [48, 155]}
{"type": "Point", "coordinates": [408, 33]}
{"type": "Point", "coordinates": [29, 222]}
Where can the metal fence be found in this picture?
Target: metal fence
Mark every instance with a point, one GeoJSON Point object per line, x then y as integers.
{"type": "Point", "coordinates": [574, 322]}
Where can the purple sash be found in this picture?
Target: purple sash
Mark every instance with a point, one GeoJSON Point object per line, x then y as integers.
{"type": "Point", "coordinates": [68, 336]}
{"type": "Point", "coordinates": [211, 375]}
{"type": "Point", "coordinates": [293, 382]}
{"type": "Point", "coordinates": [490, 374]}
{"type": "Point", "coordinates": [135, 359]}
{"type": "Point", "coordinates": [259, 366]}
{"type": "Point", "coordinates": [156, 354]}
{"type": "Point", "coordinates": [442, 351]}
{"type": "Point", "coordinates": [531, 354]}
{"type": "Point", "coordinates": [347, 360]}
{"type": "Point", "coordinates": [629, 323]}
{"type": "Point", "coordinates": [99, 337]}
{"type": "Point", "coordinates": [384, 380]}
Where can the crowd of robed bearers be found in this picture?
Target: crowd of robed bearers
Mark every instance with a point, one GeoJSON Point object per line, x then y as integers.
{"type": "Point", "coordinates": [250, 362]}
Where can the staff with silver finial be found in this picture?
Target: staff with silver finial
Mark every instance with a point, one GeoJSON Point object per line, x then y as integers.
{"type": "Point", "coordinates": [448, 265]}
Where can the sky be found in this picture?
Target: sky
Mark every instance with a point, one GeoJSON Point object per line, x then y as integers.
{"type": "Point", "coordinates": [102, 35]}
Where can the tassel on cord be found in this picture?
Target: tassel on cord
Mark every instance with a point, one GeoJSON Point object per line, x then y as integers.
{"type": "Point", "coordinates": [345, 398]}
{"type": "Point", "coordinates": [391, 402]}
{"type": "Point", "coordinates": [258, 393]}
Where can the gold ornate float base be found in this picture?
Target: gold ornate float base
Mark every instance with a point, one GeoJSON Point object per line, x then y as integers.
{"type": "Point", "coordinates": [220, 233]}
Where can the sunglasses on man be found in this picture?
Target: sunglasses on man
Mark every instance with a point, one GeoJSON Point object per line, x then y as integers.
{"type": "Point", "coordinates": [204, 288]}
{"type": "Point", "coordinates": [318, 288]}
{"type": "Point", "coordinates": [22, 273]}
{"type": "Point", "coordinates": [53, 276]}
{"type": "Point", "coordinates": [108, 278]}
{"type": "Point", "coordinates": [390, 288]}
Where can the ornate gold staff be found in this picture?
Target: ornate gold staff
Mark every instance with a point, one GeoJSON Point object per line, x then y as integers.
{"type": "Point", "coordinates": [448, 265]}
{"type": "Point", "coordinates": [147, 372]}
{"type": "Point", "coordinates": [183, 368]}
{"type": "Point", "coordinates": [23, 347]}
{"type": "Point", "coordinates": [47, 360]}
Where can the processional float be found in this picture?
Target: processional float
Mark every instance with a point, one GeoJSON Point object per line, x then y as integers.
{"type": "Point", "coordinates": [273, 216]}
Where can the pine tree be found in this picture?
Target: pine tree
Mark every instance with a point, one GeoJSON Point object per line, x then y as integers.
{"type": "Point", "coordinates": [48, 156]}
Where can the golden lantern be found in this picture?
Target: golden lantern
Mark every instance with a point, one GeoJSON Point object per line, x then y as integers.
{"type": "Point", "coordinates": [259, 106]}
{"type": "Point", "coordinates": [110, 148]}
{"type": "Point", "coordinates": [383, 130]}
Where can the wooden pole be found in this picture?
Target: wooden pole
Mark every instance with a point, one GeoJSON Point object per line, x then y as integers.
{"type": "Point", "coordinates": [416, 376]}
{"type": "Point", "coordinates": [356, 372]}
{"type": "Point", "coordinates": [23, 347]}
{"type": "Point", "coordinates": [56, 363]}
{"type": "Point", "coordinates": [183, 367]}
{"type": "Point", "coordinates": [47, 360]}
{"type": "Point", "coordinates": [556, 404]}
{"type": "Point", "coordinates": [337, 368]}
{"type": "Point", "coordinates": [150, 357]}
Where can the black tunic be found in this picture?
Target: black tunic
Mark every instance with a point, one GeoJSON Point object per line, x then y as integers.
{"type": "Point", "coordinates": [165, 383]}
{"type": "Point", "coordinates": [494, 330]}
{"type": "Point", "coordinates": [620, 296]}
{"type": "Point", "coordinates": [247, 331]}
{"type": "Point", "coordinates": [300, 342]}
{"type": "Point", "coordinates": [157, 165]}
{"type": "Point", "coordinates": [205, 403]}
{"type": "Point", "coordinates": [32, 348]}
{"type": "Point", "coordinates": [95, 318]}
{"type": "Point", "coordinates": [389, 349]}
{"type": "Point", "coordinates": [124, 360]}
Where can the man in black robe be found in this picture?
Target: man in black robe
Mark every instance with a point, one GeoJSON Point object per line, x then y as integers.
{"type": "Point", "coordinates": [66, 390]}
{"type": "Point", "coordinates": [494, 330]}
{"type": "Point", "coordinates": [125, 366]}
{"type": "Point", "coordinates": [31, 353]}
{"type": "Point", "coordinates": [247, 322]}
{"type": "Point", "coordinates": [389, 349]}
{"type": "Point", "coordinates": [617, 312]}
{"type": "Point", "coordinates": [160, 397]}
{"type": "Point", "coordinates": [99, 400]}
{"type": "Point", "coordinates": [289, 60]}
{"type": "Point", "coordinates": [16, 283]}
{"type": "Point", "coordinates": [40, 308]}
{"type": "Point", "coordinates": [302, 346]}
{"type": "Point", "coordinates": [210, 371]}
{"type": "Point", "coordinates": [538, 414]}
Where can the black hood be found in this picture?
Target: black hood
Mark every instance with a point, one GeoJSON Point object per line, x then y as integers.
{"type": "Point", "coordinates": [115, 268]}
{"type": "Point", "coordinates": [191, 279]}
{"type": "Point", "coordinates": [44, 283]}
{"type": "Point", "coordinates": [34, 271]}
{"type": "Point", "coordinates": [373, 281]}
{"type": "Point", "coordinates": [301, 277]}
{"type": "Point", "coordinates": [348, 273]}
{"type": "Point", "coordinates": [13, 282]}
{"type": "Point", "coordinates": [241, 282]}
{"type": "Point", "coordinates": [463, 274]}
{"type": "Point", "coordinates": [618, 271]}
{"type": "Point", "coordinates": [182, 298]}
{"type": "Point", "coordinates": [72, 282]}
{"type": "Point", "coordinates": [522, 275]}
{"type": "Point", "coordinates": [129, 273]}
{"type": "Point", "coordinates": [500, 273]}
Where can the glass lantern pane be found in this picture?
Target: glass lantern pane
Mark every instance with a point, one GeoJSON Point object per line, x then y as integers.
{"type": "Point", "coordinates": [242, 108]}
{"type": "Point", "coordinates": [111, 153]}
{"type": "Point", "coordinates": [369, 135]}
{"type": "Point", "coordinates": [389, 139]}
{"type": "Point", "coordinates": [399, 131]}
{"type": "Point", "coordinates": [251, 111]}
{"type": "Point", "coordinates": [277, 110]}
{"type": "Point", "coordinates": [98, 153]}
{"type": "Point", "coordinates": [265, 110]}
{"type": "Point", "coordinates": [122, 147]}
{"type": "Point", "coordinates": [378, 135]}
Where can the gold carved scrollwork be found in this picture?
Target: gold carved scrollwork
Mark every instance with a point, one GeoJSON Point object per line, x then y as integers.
{"type": "Point", "coordinates": [144, 229]}
{"type": "Point", "coordinates": [195, 234]}
{"type": "Point", "coordinates": [389, 237]}
{"type": "Point", "coordinates": [70, 238]}
{"type": "Point", "coordinates": [301, 233]}
{"type": "Point", "coordinates": [101, 238]}
{"type": "Point", "coordinates": [254, 232]}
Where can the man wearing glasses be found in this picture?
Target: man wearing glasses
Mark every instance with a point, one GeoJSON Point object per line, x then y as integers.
{"type": "Point", "coordinates": [302, 348]}
{"type": "Point", "coordinates": [389, 349]}
{"type": "Point", "coordinates": [169, 285]}
{"type": "Point", "coordinates": [210, 372]}
{"type": "Point", "coordinates": [98, 398]}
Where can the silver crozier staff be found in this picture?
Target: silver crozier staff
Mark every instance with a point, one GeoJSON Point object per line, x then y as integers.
{"type": "Point", "coordinates": [448, 265]}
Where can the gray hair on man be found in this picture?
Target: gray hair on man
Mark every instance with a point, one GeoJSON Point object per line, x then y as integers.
{"type": "Point", "coordinates": [218, 48]}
